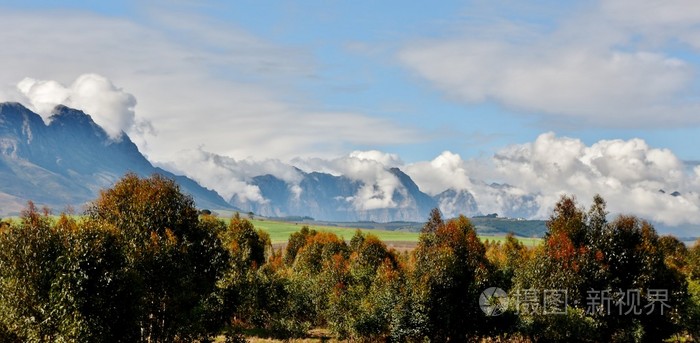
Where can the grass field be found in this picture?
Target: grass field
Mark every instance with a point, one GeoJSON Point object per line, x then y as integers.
{"type": "Point", "coordinates": [280, 231]}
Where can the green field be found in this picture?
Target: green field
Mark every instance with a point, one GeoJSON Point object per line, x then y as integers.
{"type": "Point", "coordinates": [280, 231]}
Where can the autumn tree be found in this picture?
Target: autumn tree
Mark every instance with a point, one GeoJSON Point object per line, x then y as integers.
{"type": "Point", "coordinates": [506, 257]}
{"type": "Point", "coordinates": [361, 309]}
{"type": "Point", "coordinates": [591, 259]}
{"type": "Point", "coordinates": [177, 259]}
{"type": "Point", "coordinates": [296, 241]}
{"type": "Point", "coordinates": [450, 272]}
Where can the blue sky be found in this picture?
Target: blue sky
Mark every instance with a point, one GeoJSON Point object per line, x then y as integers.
{"type": "Point", "coordinates": [577, 97]}
{"type": "Point", "coordinates": [353, 54]}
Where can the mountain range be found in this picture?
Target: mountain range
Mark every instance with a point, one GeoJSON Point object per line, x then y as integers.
{"type": "Point", "coordinates": [329, 197]}
{"type": "Point", "coordinates": [68, 159]}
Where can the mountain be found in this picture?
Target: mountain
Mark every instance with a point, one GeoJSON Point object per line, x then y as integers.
{"type": "Point", "coordinates": [335, 198]}
{"type": "Point", "coordinates": [512, 202]}
{"type": "Point", "coordinates": [68, 161]}
{"type": "Point", "coordinates": [454, 202]}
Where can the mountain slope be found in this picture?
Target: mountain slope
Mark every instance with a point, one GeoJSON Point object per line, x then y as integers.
{"type": "Point", "coordinates": [69, 160]}
{"type": "Point", "coordinates": [454, 202]}
{"type": "Point", "coordinates": [329, 197]}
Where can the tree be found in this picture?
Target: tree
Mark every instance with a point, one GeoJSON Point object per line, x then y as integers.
{"type": "Point", "coordinates": [434, 221]}
{"type": "Point", "coordinates": [361, 308]}
{"type": "Point", "coordinates": [507, 258]}
{"type": "Point", "coordinates": [450, 272]}
{"type": "Point", "coordinates": [65, 281]}
{"type": "Point", "coordinates": [583, 254]}
{"type": "Point", "coordinates": [296, 241]}
{"type": "Point", "coordinates": [176, 258]}
{"type": "Point", "coordinates": [29, 255]}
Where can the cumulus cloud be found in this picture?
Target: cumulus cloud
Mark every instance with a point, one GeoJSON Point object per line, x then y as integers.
{"type": "Point", "coordinates": [523, 180]}
{"type": "Point", "coordinates": [109, 106]}
{"type": "Point", "coordinates": [386, 159]}
{"type": "Point", "coordinates": [447, 171]}
{"type": "Point", "coordinates": [450, 171]}
{"type": "Point", "coordinates": [629, 174]}
{"type": "Point", "coordinates": [600, 67]}
{"type": "Point", "coordinates": [632, 176]}
{"type": "Point", "coordinates": [229, 176]}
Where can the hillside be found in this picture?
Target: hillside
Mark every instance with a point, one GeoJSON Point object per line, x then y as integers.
{"type": "Point", "coordinates": [69, 160]}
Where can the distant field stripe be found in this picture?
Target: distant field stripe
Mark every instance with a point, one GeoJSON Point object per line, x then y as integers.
{"type": "Point", "coordinates": [280, 231]}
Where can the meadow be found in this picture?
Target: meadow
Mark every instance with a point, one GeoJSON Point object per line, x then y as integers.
{"type": "Point", "coordinates": [279, 232]}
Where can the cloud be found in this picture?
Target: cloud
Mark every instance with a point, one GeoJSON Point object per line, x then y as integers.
{"type": "Point", "coordinates": [386, 159]}
{"type": "Point", "coordinates": [228, 176]}
{"type": "Point", "coordinates": [531, 177]}
{"type": "Point", "coordinates": [523, 180]}
{"type": "Point", "coordinates": [201, 81]}
{"type": "Point", "coordinates": [446, 171]}
{"type": "Point", "coordinates": [450, 171]}
{"type": "Point", "coordinates": [109, 106]}
{"type": "Point", "coordinates": [601, 67]}
{"type": "Point", "coordinates": [628, 174]}
{"type": "Point", "coordinates": [369, 167]}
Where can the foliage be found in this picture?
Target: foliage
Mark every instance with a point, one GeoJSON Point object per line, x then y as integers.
{"type": "Point", "coordinates": [584, 254]}
{"type": "Point", "coordinates": [176, 258]}
{"type": "Point", "coordinates": [64, 281]}
{"type": "Point", "coordinates": [450, 272]}
{"type": "Point", "coordinates": [145, 265]}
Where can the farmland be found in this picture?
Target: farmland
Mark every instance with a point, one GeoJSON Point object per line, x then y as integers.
{"type": "Point", "coordinates": [280, 230]}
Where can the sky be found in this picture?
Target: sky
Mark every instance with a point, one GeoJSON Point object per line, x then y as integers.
{"type": "Point", "coordinates": [549, 96]}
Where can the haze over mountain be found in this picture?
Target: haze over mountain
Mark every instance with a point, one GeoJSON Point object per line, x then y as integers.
{"type": "Point", "coordinates": [328, 197]}
{"type": "Point", "coordinates": [66, 158]}
{"type": "Point", "coordinates": [69, 160]}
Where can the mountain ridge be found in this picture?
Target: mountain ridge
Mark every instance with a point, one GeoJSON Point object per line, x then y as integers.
{"type": "Point", "coordinates": [329, 197]}
{"type": "Point", "coordinates": [69, 160]}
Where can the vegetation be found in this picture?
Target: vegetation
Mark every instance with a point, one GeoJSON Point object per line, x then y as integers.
{"type": "Point", "coordinates": [143, 265]}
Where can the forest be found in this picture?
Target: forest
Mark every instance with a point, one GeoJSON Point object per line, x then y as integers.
{"type": "Point", "coordinates": [142, 264]}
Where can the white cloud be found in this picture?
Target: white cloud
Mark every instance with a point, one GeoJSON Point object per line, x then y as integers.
{"type": "Point", "coordinates": [629, 174]}
{"type": "Point", "coordinates": [109, 106]}
{"type": "Point", "coordinates": [532, 176]}
{"type": "Point", "coordinates": [369, 167]}
{"type": "Point", "coordinates": [598, 67]}
{"type": "Point", "coordinates": [228, 176]}
{"type": "Point", "coordinates": [200, 81]}
{"type": "Point", "coordinates": [444, 172]}
{"type": "Point", "coordinates": [386, 159]}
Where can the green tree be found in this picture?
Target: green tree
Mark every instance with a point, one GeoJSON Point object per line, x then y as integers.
{"type": "Point", "coordinates": [64, 281]}
{"type": "Point", "coordinates": [450, 272]}
{"type": "Point", "coordinates": [361, 308]}
{"type": "Point", "coordinates": [583, 254]}
{"type": "Point", "coordinates": [295, 242]}
{"type": "Point", "coordinates": [177, 259]}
